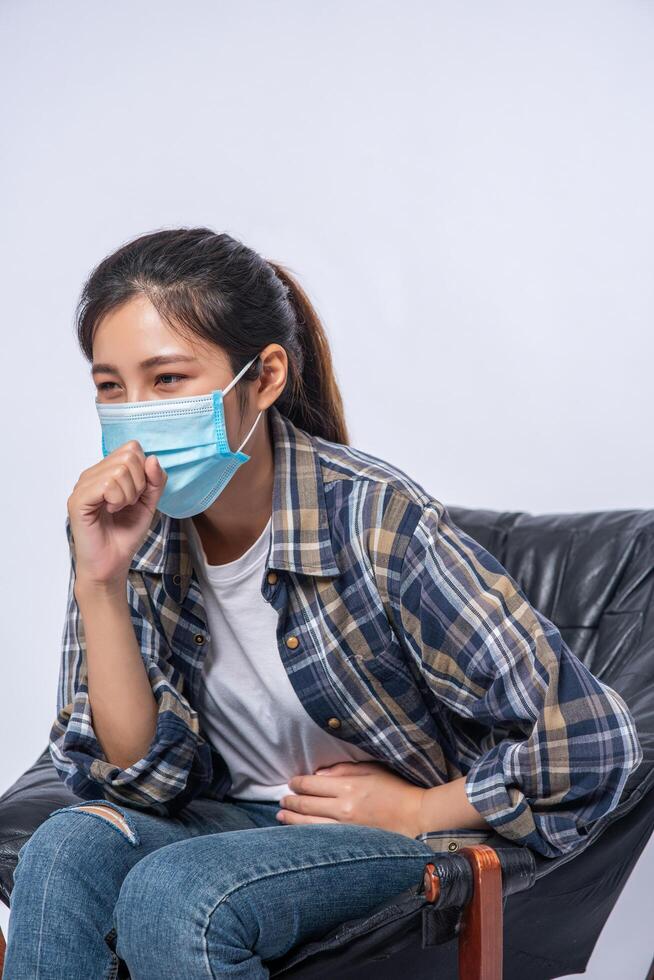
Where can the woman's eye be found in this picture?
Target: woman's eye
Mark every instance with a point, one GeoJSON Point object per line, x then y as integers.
{"type": "Point", "coordinates": [106, 385]}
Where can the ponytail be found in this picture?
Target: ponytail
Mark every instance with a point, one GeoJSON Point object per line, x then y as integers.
{"type": "Point", "coordinates": [315, 402]}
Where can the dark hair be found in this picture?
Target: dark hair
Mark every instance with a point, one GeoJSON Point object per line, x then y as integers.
{"type": "Point", "coordinates": [225, 293]}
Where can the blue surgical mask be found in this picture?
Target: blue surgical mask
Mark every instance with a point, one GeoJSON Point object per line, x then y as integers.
{"type": "Point", "coordinates": [188, 436]}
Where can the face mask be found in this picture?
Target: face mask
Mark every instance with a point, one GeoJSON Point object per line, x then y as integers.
{"type": "Point", "coordinates": [189, 438]}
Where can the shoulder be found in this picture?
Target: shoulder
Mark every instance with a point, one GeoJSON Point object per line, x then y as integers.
{"type": "Point", "coordinates": [366, 491]}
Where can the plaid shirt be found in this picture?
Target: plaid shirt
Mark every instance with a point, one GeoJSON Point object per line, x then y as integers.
{"type": "Point", "coordinates": [399, 633]}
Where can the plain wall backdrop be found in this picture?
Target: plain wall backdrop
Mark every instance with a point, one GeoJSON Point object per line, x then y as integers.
{"type": "Point", "coordinates": [464, 190]}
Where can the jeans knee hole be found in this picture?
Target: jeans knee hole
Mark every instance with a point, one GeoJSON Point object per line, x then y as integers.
{"type": "Point", "coordinates": [110, 814]}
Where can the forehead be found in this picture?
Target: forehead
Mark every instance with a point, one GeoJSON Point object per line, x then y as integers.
{"type": "Point", "coordinates": [135, 331]}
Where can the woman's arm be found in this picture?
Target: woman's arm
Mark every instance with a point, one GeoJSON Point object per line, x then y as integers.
{"type": "Point", "coordinates": [446, 807]}
{"type": "Point", "coordinates": [560, 744]}
{"type": "Point", "coordinates": [154, 761]}
{"type": "Point", "coordinates": [123, 708]}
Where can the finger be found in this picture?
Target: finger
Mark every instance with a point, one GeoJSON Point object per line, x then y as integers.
{"type": "Point", "coordinates": [148, 478]}
{"type": "Point", "coordinates": [133, 483]}
{"type": "Point", "coordinates": [135, 460]}
{"type": "Point", "coordinates": [349, 769]}
{"type": "Point", "coordinates": [129, 451]}
{"type": "Point", "coordinates": [314, 806]}
{"type": "Point", "coordinates": [116, 492]}
{"type": "Point", "coordinates": [156, 481]}
{"type": "Point", "coordinates": [132, 455]}
{"type": "Point", "coordinates": [318, 785]}
{"type": "Point", "coordinates": [120, 490]}
{"type": "Point", "coordinates": [289, 817]}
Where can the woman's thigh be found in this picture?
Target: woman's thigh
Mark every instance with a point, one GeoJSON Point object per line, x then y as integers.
{"type": "Point", "coordinates": [221, 905]}
{"type": "Point", "coordinates": [69, 874]}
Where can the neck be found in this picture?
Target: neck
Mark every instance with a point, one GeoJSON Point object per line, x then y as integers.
{"type": "Point", "coordinates": [241, 511]}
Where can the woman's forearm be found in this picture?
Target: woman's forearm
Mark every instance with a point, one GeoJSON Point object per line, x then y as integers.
{"type": "Point", "coordinates": [447, 807]}
{"type": "Point", "coordinates": [124, 709]}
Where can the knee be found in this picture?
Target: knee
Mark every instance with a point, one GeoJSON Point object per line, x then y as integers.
{"type": "Point", "coordinates": [151, 915]}
{"type": "Point", "coordinates": [112, 814]}
{"type": "Point", "coordinates": [70, 840]}
{"type": "Point", "coordinates": [167, 912]}
{"type": "Point", "coordinates": [106, 814]}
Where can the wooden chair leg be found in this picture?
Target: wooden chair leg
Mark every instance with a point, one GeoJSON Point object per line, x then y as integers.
{"type": "Point", "coordinates": [3, 947]}
{"type": "Point", "coordinates": [481, 935]}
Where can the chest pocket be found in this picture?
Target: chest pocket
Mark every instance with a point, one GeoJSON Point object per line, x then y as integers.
{"type": "Point", "coordinates": [354, 634]}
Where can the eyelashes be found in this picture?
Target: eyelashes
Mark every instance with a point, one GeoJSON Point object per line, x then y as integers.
{"type": "Point", "coordinates": [106, 385]}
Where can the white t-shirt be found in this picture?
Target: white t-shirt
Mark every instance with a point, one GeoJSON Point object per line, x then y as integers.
{"type": "Point", "coordinates": [249, 708]}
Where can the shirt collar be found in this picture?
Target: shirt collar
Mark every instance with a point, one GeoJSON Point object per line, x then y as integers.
{"type": "Point", "coordinates": [300, 532]}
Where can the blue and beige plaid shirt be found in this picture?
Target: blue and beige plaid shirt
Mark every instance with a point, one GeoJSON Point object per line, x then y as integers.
{"type": "Point", "coordinates": [398, 632]}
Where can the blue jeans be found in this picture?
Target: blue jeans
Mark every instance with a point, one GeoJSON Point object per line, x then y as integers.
{"type": "Point", "coordinates": [212, 892]}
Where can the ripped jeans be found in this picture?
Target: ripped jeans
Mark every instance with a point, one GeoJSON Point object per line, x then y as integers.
{"type": "Point", "coordinates": [213, 892]}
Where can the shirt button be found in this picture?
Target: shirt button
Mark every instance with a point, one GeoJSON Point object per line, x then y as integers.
{"type": "Point", "coordinates": [292, 642]}
{"type": "Point", "coordinates": [177, 579]}
{"type": "Point", "coordinates": [272, 577]}
{"type": "Point", "coordinates": [199, 638]}
{"type": "Point", "coordinates": [334, 723]}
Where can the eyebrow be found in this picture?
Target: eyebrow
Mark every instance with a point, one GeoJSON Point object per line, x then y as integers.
{"type": "Point", "coordinates": [147, 363]}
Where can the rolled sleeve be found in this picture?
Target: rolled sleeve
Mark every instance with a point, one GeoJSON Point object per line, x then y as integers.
{"type": "Point", "coordinates": [558, 744]}
{"type": "Point", "coordinates": [178, 765]}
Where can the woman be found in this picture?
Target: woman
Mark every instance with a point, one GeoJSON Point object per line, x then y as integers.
{"type": "Point", "coordinates": [297, 641]}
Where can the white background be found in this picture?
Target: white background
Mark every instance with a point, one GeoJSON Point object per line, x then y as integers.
{"type": "Point", "coordinates": [463, 189]}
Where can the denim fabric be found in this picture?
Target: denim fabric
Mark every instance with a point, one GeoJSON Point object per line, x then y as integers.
{"type": "Point", "coordinates": [213, 892]}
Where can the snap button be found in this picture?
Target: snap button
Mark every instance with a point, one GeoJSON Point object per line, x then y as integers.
{"type": "Point", "coordinates": [334, 723]}
{"type": "Point", "coordinates": [292, 642]}
{"type": "Point", "coordinates": [272, 577]}
{"type": "Point", "coordinates": [199, 638]}
{"type": "Point", "coordinates": [453, 846]}
{"type": "Point", "coordinates": [177, 579]}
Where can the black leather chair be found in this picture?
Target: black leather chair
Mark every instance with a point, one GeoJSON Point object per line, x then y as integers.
{"type": "Point", "coordinates": [498, 911]}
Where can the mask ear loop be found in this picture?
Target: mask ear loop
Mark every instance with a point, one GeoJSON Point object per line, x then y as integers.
{"type": "Point", "coordinates": [239, 375]}
{"type": "Point", "coordinates": [250, 432]}
{"type": "Point", "coordinates": [233, 382]}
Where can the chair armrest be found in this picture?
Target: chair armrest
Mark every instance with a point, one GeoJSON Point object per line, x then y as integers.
{"type": "Point", "coordinates": [449, 881]}
{"type": "Point", "coordinates": [477, 880]}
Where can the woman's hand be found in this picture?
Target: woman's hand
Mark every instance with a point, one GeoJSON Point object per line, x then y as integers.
{"type": "Point", "coordinates": [365, 793]}
{"type": "Point", "coordinates": [110, 510]}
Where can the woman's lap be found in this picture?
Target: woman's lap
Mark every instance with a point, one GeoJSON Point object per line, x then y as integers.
{"type": "Point", "coordinates": [214, 891]}
{"type": "Point", "coordinates": [251, 895]}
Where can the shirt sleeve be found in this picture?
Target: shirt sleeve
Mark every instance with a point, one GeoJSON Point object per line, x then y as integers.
{"type": "Point", "coordinates": [559, 744]}
{"type": "Point", "coordinates": [178, 765]}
